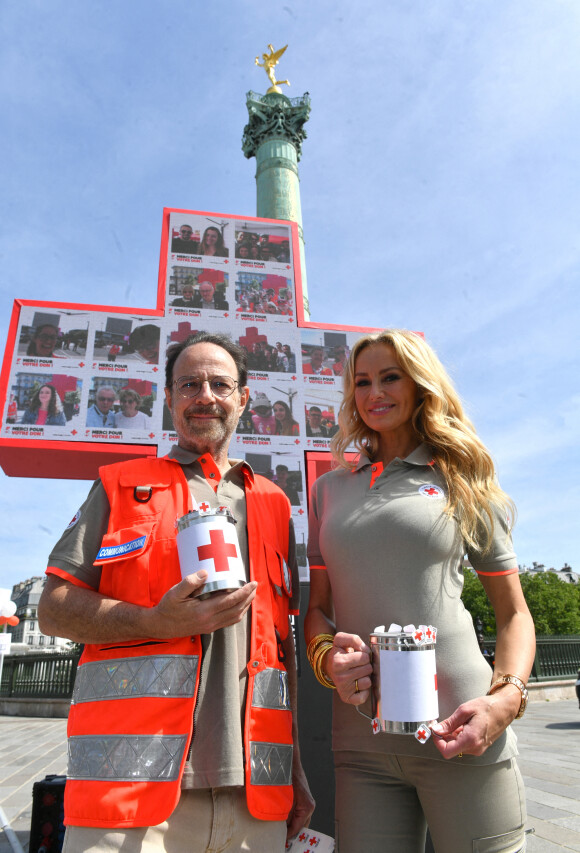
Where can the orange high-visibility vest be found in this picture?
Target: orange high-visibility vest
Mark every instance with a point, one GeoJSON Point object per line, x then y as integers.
{"type": "Point", "coordinates": [131, 718]}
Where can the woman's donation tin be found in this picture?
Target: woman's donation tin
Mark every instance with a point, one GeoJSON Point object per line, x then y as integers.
{"type": "Point", "coordinates": [404, 678]}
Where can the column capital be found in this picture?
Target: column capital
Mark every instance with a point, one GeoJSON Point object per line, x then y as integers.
{"type": "Point", "coordinates": [274, 116]}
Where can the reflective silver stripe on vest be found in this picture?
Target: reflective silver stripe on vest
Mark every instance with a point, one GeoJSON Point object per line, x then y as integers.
{"type": "Point", "coordinates": [271, 763]}
{"type": "Point", "coordinates": [126, 758]}
{"type": "Point", "coordinates": [129, 678]}
{"type": "Point", "coordinates": [271, 690]}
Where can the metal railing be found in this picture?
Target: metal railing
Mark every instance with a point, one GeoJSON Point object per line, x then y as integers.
{"type": "Point", "coordinates": [557, 658]}
{"type": "Point", "coordinates": [38, 676]}
{"type": "Point", "coordinates": [51, 676]}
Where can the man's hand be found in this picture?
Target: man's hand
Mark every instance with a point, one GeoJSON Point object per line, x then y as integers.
{"type": "Point", "coordinates": [303, 805]}
{"type": "Point", "coordinates": [180, 615]}
{"type": "Point", "coordinates": [85, 616]}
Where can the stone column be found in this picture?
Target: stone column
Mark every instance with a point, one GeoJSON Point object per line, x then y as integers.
{"type": "Point", "coordinates": [274, 137]}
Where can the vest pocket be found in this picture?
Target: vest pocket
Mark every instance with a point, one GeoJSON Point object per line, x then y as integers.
{"type": "Point", "coordinates": [126, 564]}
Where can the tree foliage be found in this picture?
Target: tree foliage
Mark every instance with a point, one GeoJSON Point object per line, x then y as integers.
{"type": "Point", "coordinates": [554, 604]}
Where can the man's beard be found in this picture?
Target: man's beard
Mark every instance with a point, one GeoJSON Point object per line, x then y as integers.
{"type": "Point", "coordinates": [206, 435]}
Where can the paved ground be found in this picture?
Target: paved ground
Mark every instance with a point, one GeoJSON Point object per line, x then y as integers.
{"type": "Point", "coordinates": [549, 743]}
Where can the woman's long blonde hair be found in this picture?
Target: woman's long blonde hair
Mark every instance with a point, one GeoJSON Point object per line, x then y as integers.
{"type": "Point", "coordinates": [439, 421]}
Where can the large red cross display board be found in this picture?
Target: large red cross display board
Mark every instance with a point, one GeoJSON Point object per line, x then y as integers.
{"type": "Point", "coordinates": [82, 385]}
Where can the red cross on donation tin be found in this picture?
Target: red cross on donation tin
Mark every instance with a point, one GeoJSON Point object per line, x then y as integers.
{"type": "Point", "coordinates": [219, 551]}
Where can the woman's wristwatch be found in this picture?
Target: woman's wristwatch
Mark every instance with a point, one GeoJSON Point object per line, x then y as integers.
{"type": "Point", "coordinates": [517, 682]}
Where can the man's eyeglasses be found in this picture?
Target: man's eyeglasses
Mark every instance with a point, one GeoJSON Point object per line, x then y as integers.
{"type": "Point", "coordinates": [220, 386]}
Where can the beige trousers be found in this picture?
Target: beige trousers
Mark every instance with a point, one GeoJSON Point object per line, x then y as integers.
{"type": "Point", "coordinates": [384, 803]}
{"type": "Point", "coordinates": [214, 820]}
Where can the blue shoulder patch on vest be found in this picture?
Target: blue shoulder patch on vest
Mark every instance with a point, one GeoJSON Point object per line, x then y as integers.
{"type": "Point", "coordinates": [121, 550]}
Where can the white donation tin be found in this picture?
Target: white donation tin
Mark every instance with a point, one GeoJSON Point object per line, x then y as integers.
{"type": "Point", "coordinates": [207, 539]}
{"type": "Point", "coordinates": [404, 678]}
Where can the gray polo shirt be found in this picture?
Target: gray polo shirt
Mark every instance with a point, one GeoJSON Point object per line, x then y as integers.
{"type": "Point", "coordinates": [393, 555]}
{"type": "Point", "coordinates": [217, 756]}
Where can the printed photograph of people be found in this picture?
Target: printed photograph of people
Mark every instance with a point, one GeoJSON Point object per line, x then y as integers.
{"type": "Point", "coordinates": [282, 469]}
{"type": "Point", "coordinates": [44, 399]}
{"type": "Point", "coordinates": [263, 294]}
{"type": "Point", "coordinates": [266, 243]}
{"type": "Point", "coordinates": [121, 404]}
{"type": "Point", "coordinates": [197, 289]}
{"type": "Point", "coordinates": [212, 241]}
{"type": "Point", "coordinates": [269, 411]}
{"type": "Point", "coordinates": [266, 352]}
{"type": "Point", "coordinates": [320, 416]}
{"type": "Point", "coordinates": [184, 240]}
{"type": "Point", "coordinates": [126, 340]}
{"type": "Point", "coordinates": [53, 335]}
{"type": "Point", "coordinates": [323, 353]}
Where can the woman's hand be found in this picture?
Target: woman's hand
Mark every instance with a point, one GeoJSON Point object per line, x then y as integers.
{"type": "Point", "coordinates": [476, 724]}
{"type": "Point", "coordinates": [348, 663]}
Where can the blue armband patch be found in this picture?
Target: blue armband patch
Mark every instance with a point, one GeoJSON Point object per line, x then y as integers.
{"type": "Point", "coordinates": [114, 551]}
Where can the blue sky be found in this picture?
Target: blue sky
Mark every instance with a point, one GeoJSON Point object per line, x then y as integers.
{"type": "Point", "coordinates": [439, 185]}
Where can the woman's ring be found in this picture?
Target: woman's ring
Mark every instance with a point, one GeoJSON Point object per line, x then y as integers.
{"type": "Point", "coordinates": [356, 690]}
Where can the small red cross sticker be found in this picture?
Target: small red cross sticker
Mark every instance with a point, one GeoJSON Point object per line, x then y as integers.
{"type": "Point", "coordinates": [302, 837]}
{"type": "Point", "coordinates": [219, 551]}
{"type": "Point", "coordinates": [421, 735]}
{"type": "Point", "coordinates": [204, 507]}
{"type": "Point", "coordinates": [376, 725]}
{"type": "Point", "coordinates": [418, 635]}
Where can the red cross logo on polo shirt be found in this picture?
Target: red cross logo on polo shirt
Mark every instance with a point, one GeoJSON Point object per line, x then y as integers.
{"type": "Point", "coordinates": [431, 491]}
{"type": "Point", "coordinates": [204, 507]}
{"type": "Point", "coordinates": [219, 551]}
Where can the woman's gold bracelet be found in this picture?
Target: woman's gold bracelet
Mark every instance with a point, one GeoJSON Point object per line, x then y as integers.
{"type": "Point", "coordinates": [318, 647]}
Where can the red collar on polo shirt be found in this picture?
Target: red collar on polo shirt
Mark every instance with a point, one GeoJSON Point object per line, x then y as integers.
{"type": "Point", "coordinates": [211, 472]}
{"type": "Point", "coordinates": [422, 455]}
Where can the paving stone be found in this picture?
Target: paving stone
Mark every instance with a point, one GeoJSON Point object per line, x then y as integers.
{"type": "Point", "coordinates": [31, 748]}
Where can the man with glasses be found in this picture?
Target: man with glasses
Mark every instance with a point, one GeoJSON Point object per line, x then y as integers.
{"type": "Point", "coordinates": [184, 244]}
{"type": "Point", "coordinates": [185, 706]}
{"type": "Point", "coordinates": [208, 297]}
{"type": "Point", "coordinates": [101, 413]}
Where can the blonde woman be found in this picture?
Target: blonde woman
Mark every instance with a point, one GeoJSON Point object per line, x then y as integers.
{"type": "Point", "coordinates": [387, 539]}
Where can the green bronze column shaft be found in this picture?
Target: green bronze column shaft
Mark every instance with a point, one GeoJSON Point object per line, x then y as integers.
{"type": "Point", "coordinates": [274, 137]}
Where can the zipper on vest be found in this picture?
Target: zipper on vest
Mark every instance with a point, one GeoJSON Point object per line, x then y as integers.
{"type": "Point", "coordinates": [193, 726]}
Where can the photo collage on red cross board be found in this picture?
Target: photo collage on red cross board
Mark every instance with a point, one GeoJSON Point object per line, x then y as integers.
{"type": "Point", "coordinates": [79, 375]}
{"type": "Point", "coordinates": [96, 375]}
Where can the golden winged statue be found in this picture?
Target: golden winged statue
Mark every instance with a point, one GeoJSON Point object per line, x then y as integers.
{"type": "Point", "coordinates": [270, 61]}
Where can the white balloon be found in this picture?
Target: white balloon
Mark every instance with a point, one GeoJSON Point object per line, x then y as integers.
{"type": "Point", "coordinates": [8, 608]}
